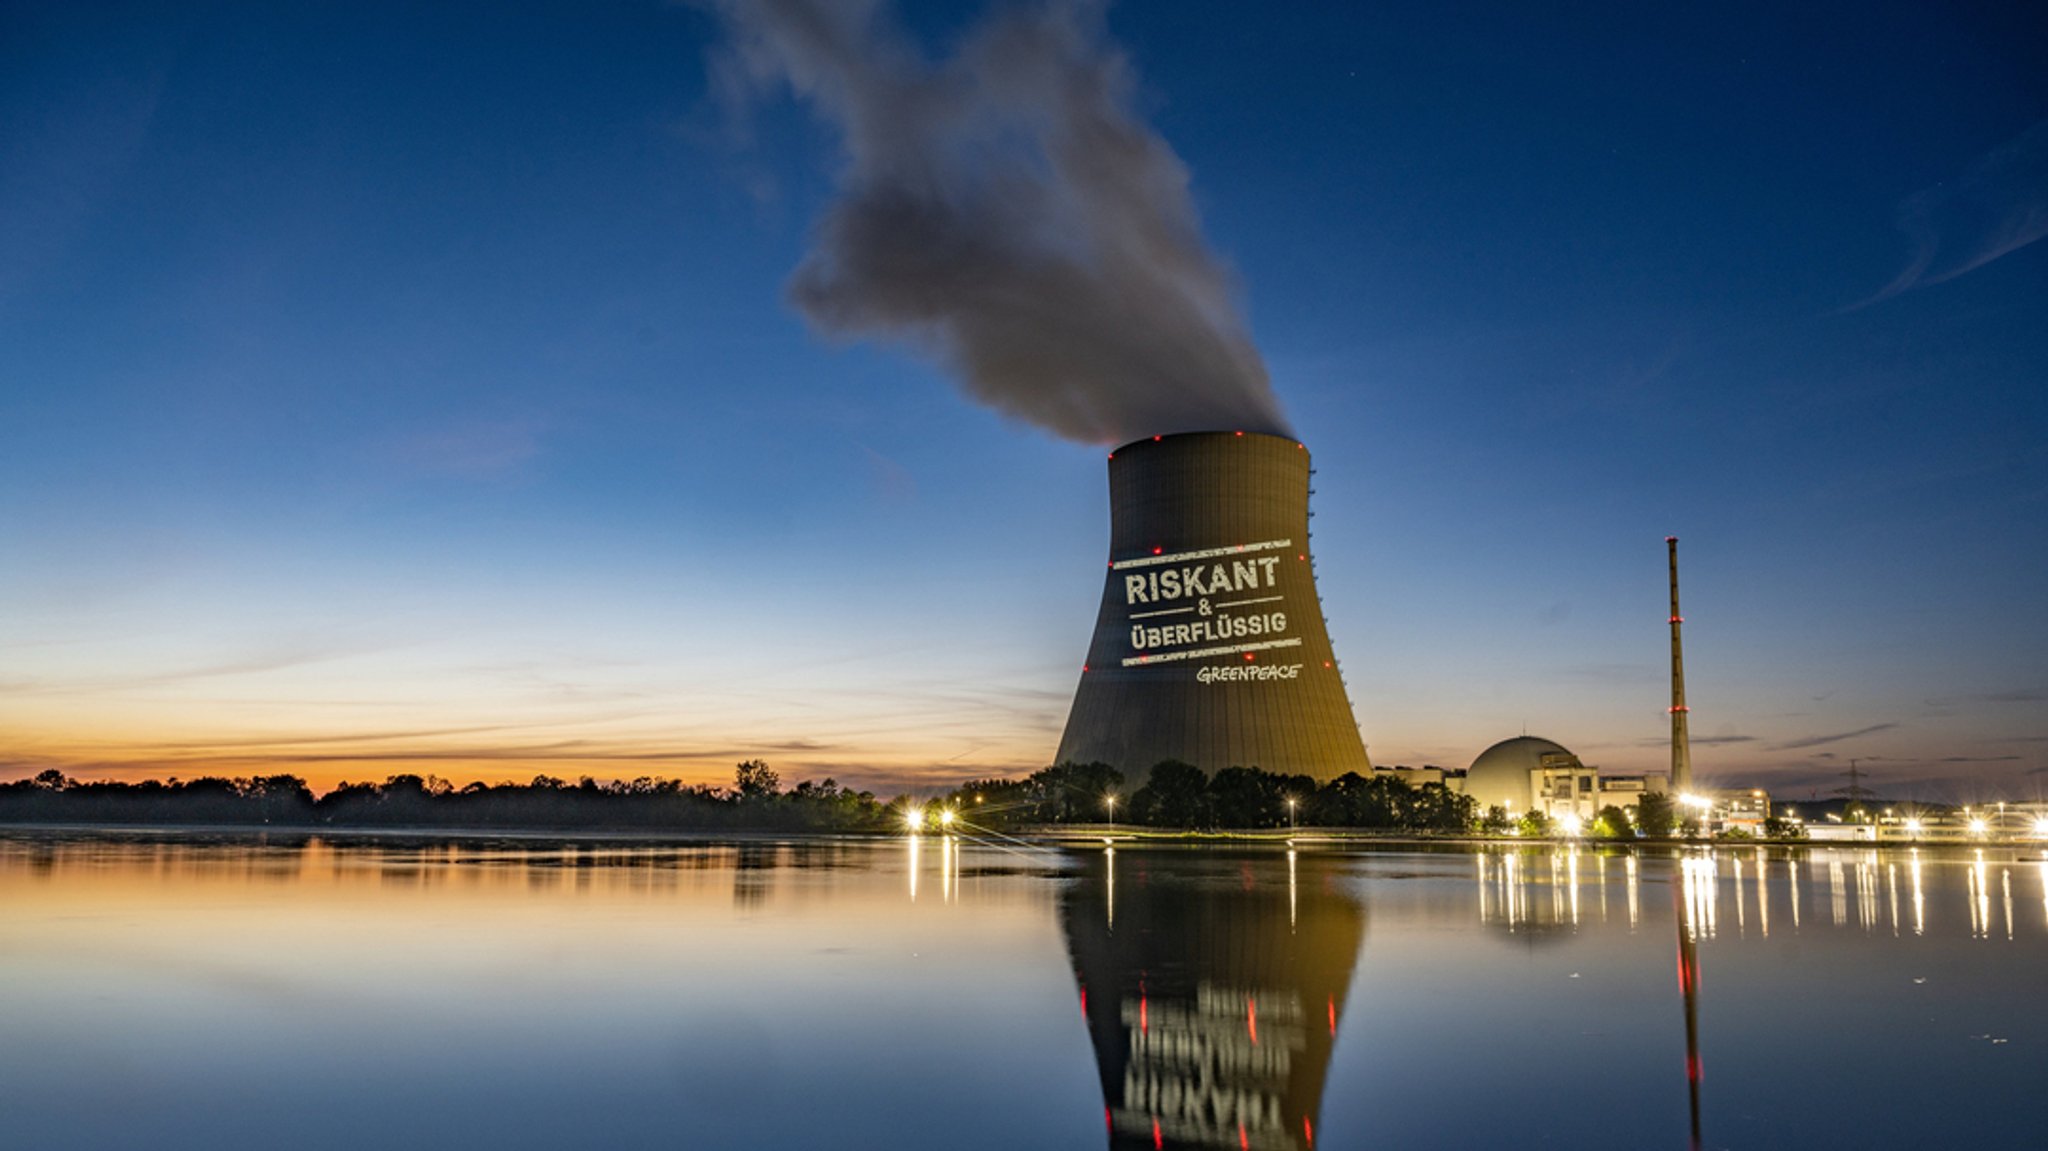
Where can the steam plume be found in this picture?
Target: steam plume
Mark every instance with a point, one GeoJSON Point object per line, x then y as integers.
{"type": "Point", "coordinates": [1004, 212]}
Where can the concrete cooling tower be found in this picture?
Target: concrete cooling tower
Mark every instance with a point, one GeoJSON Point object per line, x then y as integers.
{"type": "Point", "coordinates": [1210, 647]}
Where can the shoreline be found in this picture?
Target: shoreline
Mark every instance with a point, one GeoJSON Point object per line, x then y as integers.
{"type": "Point", "coordinates": [1050, 836]}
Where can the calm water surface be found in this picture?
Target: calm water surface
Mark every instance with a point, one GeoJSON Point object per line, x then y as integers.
{"type": "Point", "coordinates": [163, 991]}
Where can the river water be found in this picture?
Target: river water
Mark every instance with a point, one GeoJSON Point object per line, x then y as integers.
{"type": "Point", "coordinates": [188, 991]}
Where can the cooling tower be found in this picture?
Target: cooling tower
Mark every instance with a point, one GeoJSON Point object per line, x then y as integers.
{"type": "Point", "coordinates": [1210, 647]}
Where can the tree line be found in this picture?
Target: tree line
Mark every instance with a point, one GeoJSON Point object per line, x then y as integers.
{"type": "Point", "coordinates": [1174, 795]}
{"type": "Point", "coordinates": [755, 801]}
{"type": "Point", "coordinates": [1181, 795]}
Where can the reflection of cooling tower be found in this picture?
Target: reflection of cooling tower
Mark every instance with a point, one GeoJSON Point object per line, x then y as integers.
{"type": "Point", "coordinates": [1209, 646]}
{"type": "Point", "coordinates": [1212, 995]}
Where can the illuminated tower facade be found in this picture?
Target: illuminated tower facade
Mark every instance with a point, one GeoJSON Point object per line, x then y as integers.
{"type": "Point", "coordinates": [1209, 646]}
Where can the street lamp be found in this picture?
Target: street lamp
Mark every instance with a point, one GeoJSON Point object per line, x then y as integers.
{"type": "Point", "coordinates": [946, 819]}
{"type": "Point", "coordinates": [1109, 801]}
{"type": "Point", "coordinates": [1291, 802]}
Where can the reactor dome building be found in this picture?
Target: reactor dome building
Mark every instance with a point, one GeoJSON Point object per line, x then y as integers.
{"type": "Point", "coordinates": [1510, 774]}
{"type": "Point", "coordinates": [1210, 646]}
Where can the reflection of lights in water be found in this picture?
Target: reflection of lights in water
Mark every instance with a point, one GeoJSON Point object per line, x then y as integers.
{"type": "Point", "coordinates": [2043, 865]}
{"type": "Point", "coordinates": [1919, 898]}
{"type": "Point", "coordinates": [946, 869]}
{"type": "Point", "coordinates": [1600, 870]}
{"type": "Point", "coordinates": [1979, 898]}
{"type": "Point", "coordinates": [914, 846]}
{"type": "Point", "coordinates": [1109, 882]}
{"type": "Point", "coordinates": [1510, 888]}
{"type": "Point", "coordinates": [1866, 892]}
{"type": "Point", "coordinates": [1736, 870]}
{"type": "Point", "coordinates": [1634, 908]}
{"type": "Point", "coordinates": [1838, 899]}
{"type": "Point", "coordinates": [1572, 867]}
{"type": "Point", "coordinates": [1556, 892]}
{"type": "Point", "coordinates": [1891, 871]}
{"type": "Point", "coordinates": [1763, 892]}
{"type": "Point", "coordinates": [1485, 912]}
{"type": "Point", "coordinates": [1290, 887]}
{"type": "Point", "coordinates": [1698, 877]}
{"type": "Point", "coordinates": [2005, 878]}
{"type": "Point", "coordinates": [1792, 887]}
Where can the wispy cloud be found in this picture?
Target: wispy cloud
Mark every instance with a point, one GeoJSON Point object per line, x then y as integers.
{"type": "Point", "coordinates": [478, 449]}
{"type": "Point", "coordinates": [1698, 740]}
{"type": "Point", "coordinates": [1608, 673]}
{"type": "Point", "coordinates": [1819, 740]}
{"type": "Point", "coordinates": [1989, 697]}
{"type": "Point", "coordinates": [1996, 207]}
{"type": "Point", "coordinates": [282, 654]}
{"type": "Point", "coordinates": [890, 481]}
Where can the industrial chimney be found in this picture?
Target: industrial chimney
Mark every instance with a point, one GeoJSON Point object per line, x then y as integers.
{"type": "Point", "coordinates": [1681, 745]}
{"type": "Point", "coordinates": [1210, 647]}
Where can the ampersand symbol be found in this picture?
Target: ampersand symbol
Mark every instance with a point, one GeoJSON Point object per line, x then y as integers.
{"type": "Point", "coordinates": [1204, 608]}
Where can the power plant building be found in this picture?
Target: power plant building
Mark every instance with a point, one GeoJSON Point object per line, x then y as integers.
{"type": "Point", "coordinates": [1529, 773]}
{"type": "Point", "coordinates": [1210, 646]}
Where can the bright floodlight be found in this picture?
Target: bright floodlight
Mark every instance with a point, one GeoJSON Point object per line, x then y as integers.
{"type": "Point", "coordinates": [1571, 824]}
{"type": "Point", "coordinates": [2041, 826]}
{"type": "Point", "coordinates": [1976, 827]}
{"type": "Point", "coordinates": [914, 816]}
{"type": "Point", "coordinates": [946, 818]}
{"type": "Point", "coordinates": [1912, 826]}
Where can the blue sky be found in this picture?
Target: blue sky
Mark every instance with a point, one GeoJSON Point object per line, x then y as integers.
{"type": "Point", "coordinates": [393, 389]}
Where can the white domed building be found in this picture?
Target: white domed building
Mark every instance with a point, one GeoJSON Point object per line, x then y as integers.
{"type": "Point", "coordinates": [1528, 773]}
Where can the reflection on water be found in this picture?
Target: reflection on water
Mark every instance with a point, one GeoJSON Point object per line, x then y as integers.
{"type": "Point", "coordinates": [1213, 994]}
{"type": "Point", "coordinates": [1694, 897]}
{"type": "Point", "coordinates": [1525, 889]}
{"type": "Point", "coordinates": [187, 992]}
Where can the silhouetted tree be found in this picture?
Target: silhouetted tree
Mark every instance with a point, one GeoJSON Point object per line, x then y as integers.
{"type": "Point", "coordinates": [1073, 792]}
{"type": "Point", "coordinates": [1656, 814]}
{"type": "Point", "coordinates": [1175, 794]}
{"type": "Point", "coordinates": [1612, 823]}
{"type": "Point", "coordinates": [755, 780]}
{"type": "Point", "coordinates": [1434, 807]}
{"type": "Point", "coordinates": [1246, 797]}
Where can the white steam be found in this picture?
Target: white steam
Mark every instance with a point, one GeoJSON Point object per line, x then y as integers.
{"type": "Point", "coordinates": [1004, 212]}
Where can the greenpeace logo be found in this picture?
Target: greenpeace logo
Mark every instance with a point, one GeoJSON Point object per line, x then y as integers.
{"type": "Point", "coordinates": [1249, 673]}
